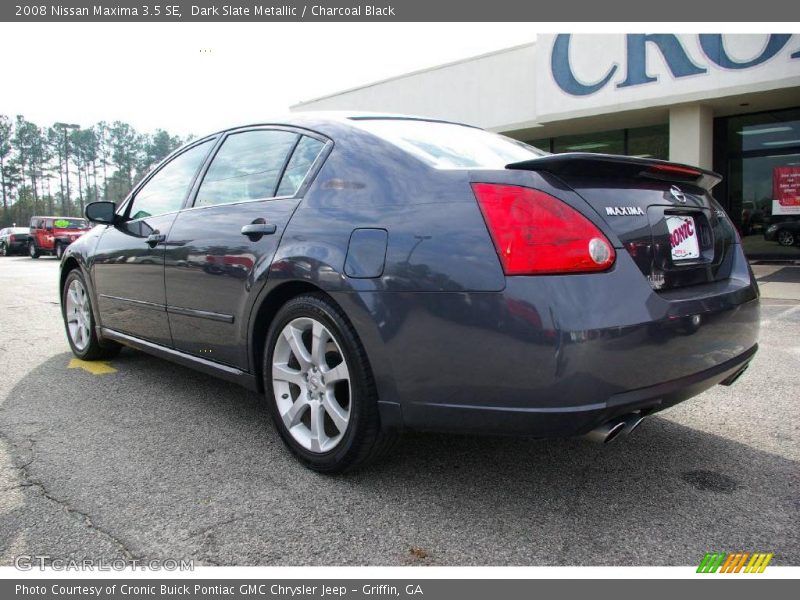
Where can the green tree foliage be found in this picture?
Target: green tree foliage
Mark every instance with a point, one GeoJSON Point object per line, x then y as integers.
{"type": "Point", "coordinates": [59, 169]}
{"type": "Point", "coordinates": [5, 150]}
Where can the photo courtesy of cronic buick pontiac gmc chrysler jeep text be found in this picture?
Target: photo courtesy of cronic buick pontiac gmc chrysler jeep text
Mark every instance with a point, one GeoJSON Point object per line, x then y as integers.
{"type": "Point", "coordinates": [375, 273]}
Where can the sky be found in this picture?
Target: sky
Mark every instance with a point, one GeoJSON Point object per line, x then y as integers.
{"type": "Point", "coordinates": [201, 77]}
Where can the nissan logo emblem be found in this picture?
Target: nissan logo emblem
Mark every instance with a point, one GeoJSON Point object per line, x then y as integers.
{"type": "Point", "coordinates": [677, 194]}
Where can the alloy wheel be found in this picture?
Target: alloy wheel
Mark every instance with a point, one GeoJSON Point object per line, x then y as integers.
{"type": "Point", "coordinates": [311, 382]}
{"type": "Point", "coordinates": [77, 313]}
{"type": "Point", "coordinates": [785, 238]}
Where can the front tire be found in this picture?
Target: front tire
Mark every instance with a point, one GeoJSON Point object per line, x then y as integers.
{"type": "Point", "coordinates": [320, 389]}
{"type": "Point", "coordinates": [33, 251]}
{"type": "Point", "coordinates": [76, 308]}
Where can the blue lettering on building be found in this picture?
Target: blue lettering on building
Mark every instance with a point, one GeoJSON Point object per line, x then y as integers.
{"type": "Point", "coordinates": [562, 71]}
{"type": "Point", "coordinates": [671, 49]}
{"type": "Point", "coordinates": [714, 49]}
{"type": "Point", "coordinates": [675, 56]}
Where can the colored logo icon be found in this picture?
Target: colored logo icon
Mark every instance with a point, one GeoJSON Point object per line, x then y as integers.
{"type": "Point", "coordinates": [734, 562]}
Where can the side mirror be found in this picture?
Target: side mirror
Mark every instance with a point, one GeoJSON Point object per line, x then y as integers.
{"type": "Point", "coordinates": [101, 212]}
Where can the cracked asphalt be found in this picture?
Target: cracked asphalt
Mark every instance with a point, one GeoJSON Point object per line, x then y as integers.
{"type": "Point", "coordinates": [157, 461]}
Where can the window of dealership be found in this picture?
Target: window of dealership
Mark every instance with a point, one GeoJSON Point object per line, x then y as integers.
{"type": "Point", "coordinates": [730, 103]}
{"type": "Point", "coordinates": [644, 142]}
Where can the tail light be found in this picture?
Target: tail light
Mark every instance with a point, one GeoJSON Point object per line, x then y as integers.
{"type": "Point", "coordinates": [535, 233]}
{"type": "Point", "coordinates": [11, 239]}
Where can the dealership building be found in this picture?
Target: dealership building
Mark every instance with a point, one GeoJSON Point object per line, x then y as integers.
{"type": "Point", "coordinates": [729, 102]}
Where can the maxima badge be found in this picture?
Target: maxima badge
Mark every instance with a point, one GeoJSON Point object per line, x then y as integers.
{"type": "Point", "coordinates": [624, 211]}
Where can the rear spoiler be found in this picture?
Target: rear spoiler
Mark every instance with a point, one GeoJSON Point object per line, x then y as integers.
{"type": "Point", "coordinates": [587, 164]}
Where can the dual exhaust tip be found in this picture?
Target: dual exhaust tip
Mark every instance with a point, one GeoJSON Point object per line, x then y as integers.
{"type": "Point", "coordinates": [610, 430]}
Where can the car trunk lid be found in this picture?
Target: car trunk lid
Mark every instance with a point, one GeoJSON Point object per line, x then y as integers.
{"type": "Point", "coordinates": [662, 213]}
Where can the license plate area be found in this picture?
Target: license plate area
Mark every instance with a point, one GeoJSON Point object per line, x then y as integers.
{"type": "Point", "coordinates": [682, 237]}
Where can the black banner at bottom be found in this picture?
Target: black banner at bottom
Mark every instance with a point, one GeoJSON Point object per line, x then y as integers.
{"type": "Point", "coordinates": [372, 589]}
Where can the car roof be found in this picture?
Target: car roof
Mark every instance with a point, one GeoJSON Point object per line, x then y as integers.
{"type": "Point", "coordinates": [326, 121]}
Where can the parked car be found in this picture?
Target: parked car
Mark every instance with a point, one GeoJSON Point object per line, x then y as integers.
{"type": "Point", "coordinates": [50, 235]}
{"type": "Point", "coordinates": [13, 240]}
{"type": "Point", "coordinates": [786, 233]}
{"type": "Point", "coordinates": [373, 274]}
{"type": "Point", "coordinates": [752, 218]}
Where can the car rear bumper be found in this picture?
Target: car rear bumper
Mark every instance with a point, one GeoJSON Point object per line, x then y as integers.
{"type": "Point", "coordinates": [566, 421]}
{"type": "Point", "coordinates": [557, 356]}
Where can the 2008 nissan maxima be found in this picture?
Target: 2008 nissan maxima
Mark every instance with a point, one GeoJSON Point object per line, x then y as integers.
{"type": "Point", "coordinates": [373, 273]}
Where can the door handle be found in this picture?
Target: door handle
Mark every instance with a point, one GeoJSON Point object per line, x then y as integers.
{"type": "Point", "coordinates": [258, 228]}
{"type": "Point", "coordinates": [155, 238]}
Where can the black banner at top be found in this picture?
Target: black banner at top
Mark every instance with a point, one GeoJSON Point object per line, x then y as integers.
{"type": "Point", "coordinates": [400, 11]}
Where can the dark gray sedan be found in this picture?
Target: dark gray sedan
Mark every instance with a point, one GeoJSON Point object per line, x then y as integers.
{"type": "Point", "coordinates": [14, 240]}
{"type": "Point", "coordinates": [372, 274]}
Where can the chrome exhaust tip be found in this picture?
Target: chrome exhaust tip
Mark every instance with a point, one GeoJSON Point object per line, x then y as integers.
{"type": "Point", "coordinates": [606, 432]}
{"type": "Point", "coordinates": [631, 422]}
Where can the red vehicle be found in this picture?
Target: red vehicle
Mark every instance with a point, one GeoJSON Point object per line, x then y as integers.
{"type": "Point", "coordinates": [51, 235]}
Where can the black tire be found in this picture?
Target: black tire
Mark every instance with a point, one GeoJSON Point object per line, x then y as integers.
{"type": "Point", "coordinates": [33, 251]}
{"type": "Point", "coordinates": [786, 238]}
{"type": "Point", "coordinates": [94, 350]}
{"type": "Point", "coordinates": [3, 250]}
{"type": "Point", "coordinates": [364, 440]}
{"type": "Point", "coordinates": [59, 251]}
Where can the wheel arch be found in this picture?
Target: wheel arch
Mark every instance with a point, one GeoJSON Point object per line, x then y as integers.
{"type": "Point", "coordinates": [355, 311]}
{"type": "Point", "coordinates": [72, 262]}
{"type": "Point", "coordinates": [266, 311]}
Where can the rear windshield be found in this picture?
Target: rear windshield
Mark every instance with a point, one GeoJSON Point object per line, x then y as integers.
{"type": "Point", "coordinates": [450, 146]}
{"type": "Point", "coordinates": [63, 223]}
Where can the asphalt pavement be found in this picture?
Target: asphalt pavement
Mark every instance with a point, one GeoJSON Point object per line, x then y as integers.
{"type": "Point", "coordinates": [145, 459]}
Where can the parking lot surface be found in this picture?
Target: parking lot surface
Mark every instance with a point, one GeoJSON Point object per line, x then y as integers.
{"type": "Point", "coordinates": [145, 459]}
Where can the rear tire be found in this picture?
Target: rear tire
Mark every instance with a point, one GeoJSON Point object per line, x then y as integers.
{"type": "Point", "coordinates": [59, 251]}
{"type": "Point", "coordinates": [320, 389]}
{"type": "Point", "coordinates": [79, 322]}
{"type": "Point", "coordinates": [3, 250]}
{"type": "Point", "coordinates": [33, 251]}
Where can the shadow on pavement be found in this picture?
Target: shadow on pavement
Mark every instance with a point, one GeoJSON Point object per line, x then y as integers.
{"type": "Point", "coordinates": [175, 464]}
{"type": "Point", "coordinates": [782, 275]}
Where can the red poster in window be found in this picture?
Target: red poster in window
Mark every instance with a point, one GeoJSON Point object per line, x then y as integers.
{"type": "Point", "coordinates": [786, 186]}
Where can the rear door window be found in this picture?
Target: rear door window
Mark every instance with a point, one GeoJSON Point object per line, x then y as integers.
{"type": "Point", "coordinates": [246, 167]}
{"type": "Point", "coordinates": [303, 158]}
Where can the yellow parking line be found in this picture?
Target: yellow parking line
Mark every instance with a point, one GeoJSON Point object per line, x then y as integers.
{"type": "Point", "coordinates": [95, 367]}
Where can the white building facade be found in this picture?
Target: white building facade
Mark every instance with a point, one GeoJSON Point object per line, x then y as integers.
{"type": "Point", "coordinates": [727, 102]}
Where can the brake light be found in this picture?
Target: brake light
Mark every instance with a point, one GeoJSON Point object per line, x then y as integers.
{"type": "Point", "coordinates": [535, 233]}
{"type": "Point", "coordinates": [675, 170]}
